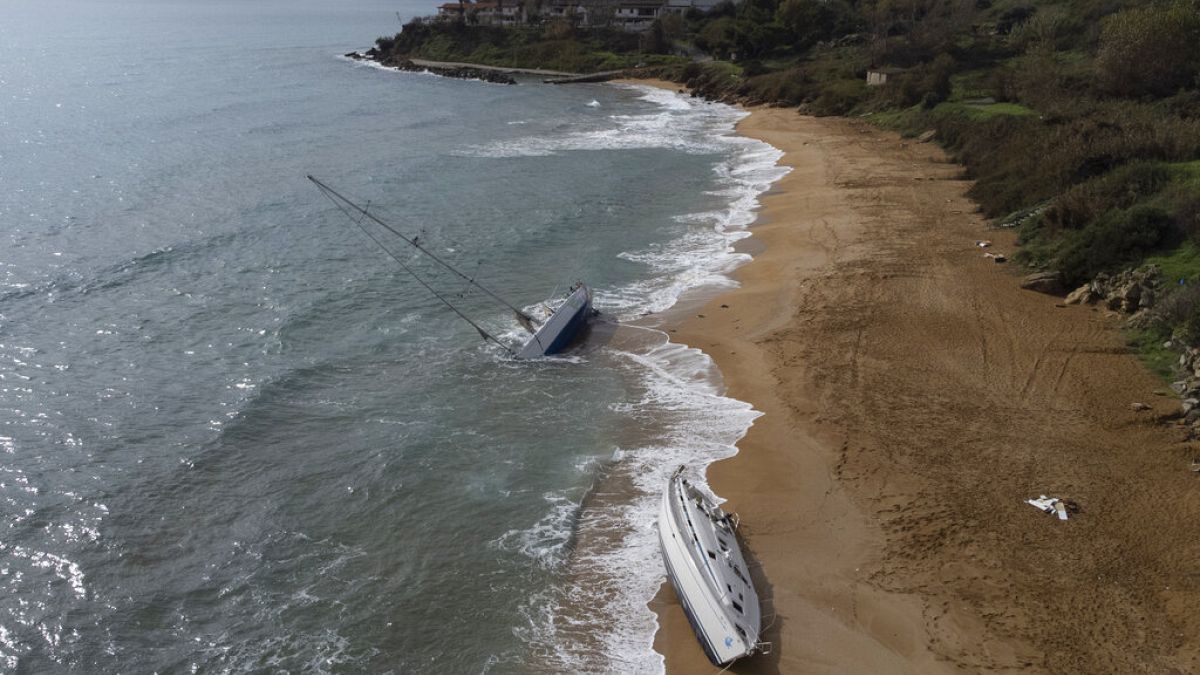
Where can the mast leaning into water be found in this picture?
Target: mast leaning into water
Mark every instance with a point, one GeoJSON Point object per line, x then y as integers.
{"type": "Point", "coordinates": [556, 333]}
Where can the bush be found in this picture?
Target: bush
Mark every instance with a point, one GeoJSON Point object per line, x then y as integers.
{"type": "Point", "coordinates": [1118, 189]}
{"type": "Point", "coordinates": [1119, 237]}
{"type": "Point", "coordinates": [384, 44]}
{"type": "Point", "coordinates": [1180, 311]}
{"type": "Point", "coordinates": [790, 87]}
{"type": "Point", "coordinates": [1150, 50]}
{"type": "Point", "coordinates": [840, 97]}
{"type": "Point", "coordinates": [1187, 218]}
{"type": "Point", "coordinates": [718, 37]}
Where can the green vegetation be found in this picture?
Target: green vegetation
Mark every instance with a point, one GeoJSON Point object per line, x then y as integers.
{"type": "Point", "coordinates": [552, 46]}
{"type": "Point", "coordinates": [1181, 264]}
{"type": "Point", "coordinates": [1148, 343]}
{"type": "Point", "coordinates": [1077, 119]}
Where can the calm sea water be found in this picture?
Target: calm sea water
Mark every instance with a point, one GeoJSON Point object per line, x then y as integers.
{"type": "Point", "coordinates": [234, 436]}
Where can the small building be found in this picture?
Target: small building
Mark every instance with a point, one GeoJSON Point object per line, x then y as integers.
{"type": "Point", "coordinates": [879, 76]}
{"type": "Point", "coordinates": [499, 13]}
{"type": "Point", "coordinates": [451, 10]}
{"type": "Point", "coordinates": [681, 6]}
{"type": "Point", "coordinates": [636, 15]}
{"type": "Point", "coordinates": [571, 10]}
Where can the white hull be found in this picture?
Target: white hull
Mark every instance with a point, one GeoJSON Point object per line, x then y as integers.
{"type": "Point", "coordinates": [709, 574]}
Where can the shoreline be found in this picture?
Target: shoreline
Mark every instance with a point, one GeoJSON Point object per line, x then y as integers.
{"type": "Point", "coordinates": [886, 514]}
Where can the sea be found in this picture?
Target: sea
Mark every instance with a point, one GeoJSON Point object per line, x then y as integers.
{"type": "Point", "coordinates": [236, 436]}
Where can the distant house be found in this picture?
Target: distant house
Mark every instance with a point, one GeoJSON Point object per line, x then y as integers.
{"type": "Point", "coordinates": [451, 10]}
{"type": "Point", "coordinates": [638, 14]}
{"type": "Point", "coordinates": [879, 76]}
{"type": "Point", "coordinates": [681, 6]}
{"type": "Point", "coordinates": [500, 13]}
{"type": "Point", "coordinates": [566, 9]}
{"type": "Point", "coordinates": [497, 13]}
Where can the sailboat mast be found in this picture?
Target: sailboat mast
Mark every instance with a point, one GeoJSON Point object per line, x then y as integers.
{"type": "Point", "coordinates": [479, 329]}
{"type": "Point", "coordinates": [411, 242]}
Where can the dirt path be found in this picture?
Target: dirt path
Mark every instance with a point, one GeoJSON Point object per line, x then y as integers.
{"type": "Point", "coordinates": [914, 397]}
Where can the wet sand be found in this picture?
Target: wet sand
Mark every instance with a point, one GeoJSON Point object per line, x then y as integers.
{"type": "Point", "coordinates": [914, 396]}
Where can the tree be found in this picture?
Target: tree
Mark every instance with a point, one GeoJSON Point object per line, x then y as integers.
{"type": "Point", "coordinates": [807, 22]}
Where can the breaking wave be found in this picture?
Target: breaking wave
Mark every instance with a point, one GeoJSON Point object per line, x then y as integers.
{"type": "Point", "coordinates": [597, 619]}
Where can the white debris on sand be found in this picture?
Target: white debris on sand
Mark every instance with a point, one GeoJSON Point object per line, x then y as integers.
{"type": "Point", "coordinates": [1050, 505]}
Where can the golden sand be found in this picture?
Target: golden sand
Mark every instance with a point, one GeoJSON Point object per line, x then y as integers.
{"type": "Point", "coordinates": [914, 396]}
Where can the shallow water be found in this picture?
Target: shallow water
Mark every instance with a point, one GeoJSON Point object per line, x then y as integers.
{"type": "Point", "coordinates": [236, 436]}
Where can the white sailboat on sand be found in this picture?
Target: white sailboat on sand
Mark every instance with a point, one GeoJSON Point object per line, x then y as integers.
{"type": "Point", "coordinates": [710, 576]}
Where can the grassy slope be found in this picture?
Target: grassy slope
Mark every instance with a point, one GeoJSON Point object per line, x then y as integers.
{"type": "Point", "coordinates": [1101, 172]}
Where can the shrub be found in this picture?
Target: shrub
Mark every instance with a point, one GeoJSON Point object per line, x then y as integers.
{"type": "Point", "coordinates": [790, 87]}
{"type": "Point", "coordinates": [1044, 30]}
{"type": "Point", "coordinates": [1117, 238]}
{"type": "Point", "coordinates": [718, 37]}
{"type": "Point", "coordinates": [384, 44]}
{"type": "Point", "coordinates": [840, 97]}
{"type": "Point", "coordinates": [1118, 189]}
{"type": "Point", "coordinates": [1180, 310]}
{"type": "Point", "coordinates": [1187, 218]}
{"type": "Point", "coordinates": [1150, 50]}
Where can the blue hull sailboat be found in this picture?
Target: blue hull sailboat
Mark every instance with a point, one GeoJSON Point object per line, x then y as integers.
{"type": "Point", "coordinates": [563, 327]}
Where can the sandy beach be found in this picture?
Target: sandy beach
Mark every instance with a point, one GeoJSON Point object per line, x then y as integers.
{"type": "Point", "coordinates": [914, 397]}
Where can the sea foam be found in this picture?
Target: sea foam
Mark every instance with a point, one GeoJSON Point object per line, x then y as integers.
{"type": "Point", "coordinates": [616, 569]}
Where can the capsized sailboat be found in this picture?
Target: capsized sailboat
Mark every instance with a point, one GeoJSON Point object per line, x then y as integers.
{"type": "Point", "coordinates": [563, 325]}
{"type": "Point", "coordinates": [706, 567]}
{"type": "Point", "coordinates": [550, 335]}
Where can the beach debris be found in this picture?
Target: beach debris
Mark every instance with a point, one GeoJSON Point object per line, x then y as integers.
{"type": "Point", "coordinates": [1053, 505]}
{"type": "Point", "coordinates": [983, 243]}
{"type": "Point", "coordinates": [996, 257]}
{"type": "Point", "coordinates": [1139, 407]}
{"type": "Point", "coordinates": [1196, 465]}
{"type": "Point", "coordinates": [927, 136]}
{"type": "Point", "coordinates": [593, 104]}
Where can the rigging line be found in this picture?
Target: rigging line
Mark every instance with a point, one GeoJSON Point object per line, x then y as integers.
{"type": "Point", "coordinates": [416, 245]}
{"type": "Point", "coordinates": [482, 333]}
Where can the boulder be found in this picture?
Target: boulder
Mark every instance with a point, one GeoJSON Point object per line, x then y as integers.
{"type": "Point", "coordinates": [1043, 282]}
{"type": "Point", "coordinates": [1082, 295]}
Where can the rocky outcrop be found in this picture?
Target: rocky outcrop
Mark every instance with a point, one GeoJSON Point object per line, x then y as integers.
{"type": "Point", "coordinates": [1188, 389]}
{"type": "Point", "coordinates": [1044, 282]}
{"type": "Point", "coordinates": [458, 72]}
{"type": "Point", "coordinates": [1130, 292]}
